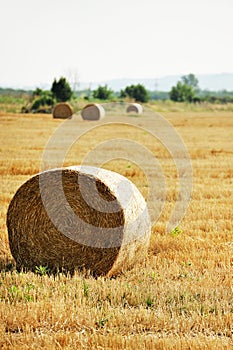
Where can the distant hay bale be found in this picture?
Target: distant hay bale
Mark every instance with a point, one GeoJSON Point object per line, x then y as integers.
{"type": "Point", "coordinates": [93, 111]}
{"type": "Point", "coordinates": [62, 110]}
{"type": "Point", "coordinates": [78, 218]}
{"type": "Point", "coordinates": [134, 108]}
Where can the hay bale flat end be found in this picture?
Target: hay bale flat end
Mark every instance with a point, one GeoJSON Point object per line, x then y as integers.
{"type": "Point", "coordinates": [93, 111]}
{"type": "Point", "coordinates": [134, 108]}
{"type": "Point", "coordinates": [62, 111]}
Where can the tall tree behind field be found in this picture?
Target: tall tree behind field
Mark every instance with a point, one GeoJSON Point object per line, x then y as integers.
{"type": "Point", "coordinates": [190, 80]}
{"type": "Point", "coordinates": [138, 92]}
{"type": "Point", "coordinates": [185, 90]}
{"type": "Point", "coordinates": [61, 90]}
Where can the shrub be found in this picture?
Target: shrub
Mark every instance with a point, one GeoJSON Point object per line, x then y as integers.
{"type": "Point", "coordinates": [44, 99]}
{"type": "Point", "coordinates": [182, 92]}
{"type": "Point", "coordinates": [137, 92]}
{"type": "Point", "coordinates": [103, 93]}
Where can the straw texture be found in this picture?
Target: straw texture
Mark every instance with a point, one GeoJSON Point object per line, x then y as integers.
{"type": "Point", "coordinates": [93, 111]}
{"type": "Point", "coordinates": [62, 111]}
{"type": "Point", "coordinates": [134, 108]}
{"type": "Point", "coordinates": [78, 218]}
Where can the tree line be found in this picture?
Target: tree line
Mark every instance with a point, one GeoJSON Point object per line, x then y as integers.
{"type": "Point", "coordinates": [44, 100]}
{"type": "Point", "coordinates": [186, 90]}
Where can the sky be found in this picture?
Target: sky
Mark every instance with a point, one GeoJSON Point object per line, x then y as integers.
{"type": "Point", "coordinates": [98, 40]}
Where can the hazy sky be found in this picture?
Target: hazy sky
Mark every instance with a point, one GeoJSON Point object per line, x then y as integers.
{"type": "Point", "coordinates": [105, 39]}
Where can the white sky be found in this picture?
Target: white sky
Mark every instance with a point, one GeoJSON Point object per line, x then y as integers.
{"type": "Point", "coordinates": [106, 39]}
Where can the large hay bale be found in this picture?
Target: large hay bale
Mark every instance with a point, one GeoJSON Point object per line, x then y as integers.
{"type": "Point", "coordinates": [75, 218]}
{"type": "Point", "coordinates": [134, 108]}
{"type": "Point", "coordinates": [62, 110]}
{"type": "Point", "coordinates": [93, 111]}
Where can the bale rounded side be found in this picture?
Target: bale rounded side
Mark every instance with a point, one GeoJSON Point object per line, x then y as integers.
{"type": "Point", "coordinates": [87, 223]}
{"type": "Point", "coordinates": [62, 111]}
{"type": "Point", "coordinates": [134, 108]}
{"type": "Point", "coordinates": [93, 111]}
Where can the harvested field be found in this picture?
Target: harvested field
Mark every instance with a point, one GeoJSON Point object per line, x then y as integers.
{"type": "Point", "coordinates": [180, 297]}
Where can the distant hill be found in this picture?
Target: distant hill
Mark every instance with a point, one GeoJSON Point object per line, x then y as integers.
{"type": "Point", "coordinates": [214, 82]}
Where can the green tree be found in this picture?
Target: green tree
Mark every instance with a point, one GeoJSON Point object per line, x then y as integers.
{"type": "Point", "coordinates": [190, 80]}
{"type": "Point", "coordinates": [42, 98]}
{"type": "Point", "coordinates": [103, 93]}
{"type": "Point", "coordinates": [123, 94]}
{"type": "Point", "coordinates": [61, 90]}
{"type": "Point", "coordinates": [182, 93]}
{"type": "Point", "coordinates": [37, 92]}
{"type": "Point", "coordinates": [41, 101]}
{"type": "Point", "coordinates": [138, 92]}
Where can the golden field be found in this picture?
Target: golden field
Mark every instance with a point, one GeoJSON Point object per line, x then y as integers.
{"type": "Point", "coordinates": [181, 296]}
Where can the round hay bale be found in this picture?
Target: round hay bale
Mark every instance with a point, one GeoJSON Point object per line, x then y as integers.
{"type": "Point", "coordinates": [78, 218]}
{"type": "Point", "coordinates": [93, 111]}
{"type": "Point", "coordinates": [134, 108]}
{"type": "Point", "coordinates": [62, 110]}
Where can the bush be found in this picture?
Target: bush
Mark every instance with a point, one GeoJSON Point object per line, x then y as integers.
{"type": "Point", "coordinates": [103, 93]}
{"type": "Point", "coordinates": [42, 102]}
{"type": "Point", "coordinates": [182, 92]}
{"type": "Point", "coordinates": [44, 99]}
{"type": "Point", "coordinates": [137, 92]}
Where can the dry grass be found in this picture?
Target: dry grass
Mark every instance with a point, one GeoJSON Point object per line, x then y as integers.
{"type": "Point", "coordinates": [181, 297]}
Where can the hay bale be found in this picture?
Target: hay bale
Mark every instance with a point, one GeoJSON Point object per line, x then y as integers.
{"type": "Point", "coordinates": [93, 111]}
{"type": "Point", "coordinates": [78, 218]}
{"type": "Point", "coordinates": [134, 108]}
{"type": "Point", "coordinates": [62, 110]}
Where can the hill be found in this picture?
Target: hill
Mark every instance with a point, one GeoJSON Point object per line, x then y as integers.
{"type": "Point", "coordinates": [214, 82]}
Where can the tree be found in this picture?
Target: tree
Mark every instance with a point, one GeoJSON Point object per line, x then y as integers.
{"type": "Point", "coordinates": [42, 99]}
{"type": "Point", "coordinates": [138, 92]}
{"type": "Point", "coordinates": [182, 92]}
{"type": "Point", "coordinates": [123, 94]}
{"type": "Point", "coordinates": [37, 92]}
{"type": "Point", "coordinates": [103, 93]}
{"type": "Point", "coordinates": [190, 80]}
{"type": "Point", "coordinates": [61, 90]}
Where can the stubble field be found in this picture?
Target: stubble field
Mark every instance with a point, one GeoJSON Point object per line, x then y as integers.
{"type": "Point", "coordinates": [181, 296]}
